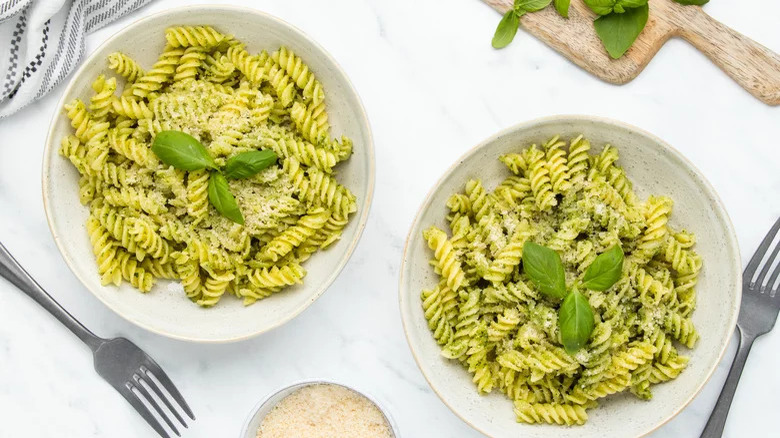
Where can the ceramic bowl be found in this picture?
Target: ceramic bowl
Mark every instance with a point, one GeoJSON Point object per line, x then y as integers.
{"type": "Point", "coordinates": [166, 310]}
{"type": "Point", "coordinates": [262, 409]}
{"type": "Point", "coordinates": [655, 168]}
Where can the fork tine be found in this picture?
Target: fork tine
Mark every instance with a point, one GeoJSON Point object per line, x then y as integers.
{"type": "Point", "coordinates": [149, 381]}
{"type": "Point", "coordinates": [132, 398]}
{"type": "Point", "coordinates": [765, 270]}
{"type": "Point", "coordinates": [166, 382]}
{"type": "Point", "coordinates": [140, 387]}
{"type": "Point", "coordinates": [760, 252]}
{"type": "Point", "coordinates": [773, 279]}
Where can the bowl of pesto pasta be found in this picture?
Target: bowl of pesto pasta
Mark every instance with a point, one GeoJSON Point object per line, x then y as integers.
{"type": "Point", "coordinates": [571, 276]}
{"type": "Point", "coordinates": [209, 174]}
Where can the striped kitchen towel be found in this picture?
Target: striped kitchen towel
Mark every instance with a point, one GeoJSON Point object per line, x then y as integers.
{"type": "Point", "coordinates": [42, 41]}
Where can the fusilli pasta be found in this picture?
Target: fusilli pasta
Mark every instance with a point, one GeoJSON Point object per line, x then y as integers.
{"type": "Point", "coordinates": [151, 221]}
{"type": "Point", "coordinates": [485, 313]}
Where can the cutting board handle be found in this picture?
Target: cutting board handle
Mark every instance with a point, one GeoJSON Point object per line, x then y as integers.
{"type": "Point", "coordinates": [751, 65]}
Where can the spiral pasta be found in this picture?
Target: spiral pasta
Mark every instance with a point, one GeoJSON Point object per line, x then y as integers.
{"type": "Point", "coordinates": [550, 413]}
{"type": "Point", "coordinates": [278, 79]}
{"type": "Point", "coordinates": [445, 260]}
{"type": "Point", "coordinates": [193, 36]}
{"type": "Point", "coordinates": [485, 312]}
{"type": "Point", "coordinates": [304, 79]}
{"type": "Point", "coordinates": [539, 174]}
{"type": "Point", "coordinates": [557, 165]}
{"type": "Point", "coordinates": [151, 221]}
{"type": "Point", "coordinates": [435, 305]}
{"type": "Point", "coordinates": [100, 103]}
{"type": "Point", "coordinates": [305, 152]}
{"type": "Point", "coordinates": [190, 62]}
{"type": "Point", "coordinates": [311, 121]}
{"type": "Point", "coordinates": [294, 236]}
{"type": "Point", "coordinates": [160, 74]}
{"type": "Point", "coordinates": [125, 66]}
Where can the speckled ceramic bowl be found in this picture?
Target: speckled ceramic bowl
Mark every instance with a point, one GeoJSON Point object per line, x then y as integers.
{"type": "Point", "coordinates": [264, 407]}
{"type": "Point", "coordinates": [655, 168]}
{"type": "Point", "coordinates": [166, 310]}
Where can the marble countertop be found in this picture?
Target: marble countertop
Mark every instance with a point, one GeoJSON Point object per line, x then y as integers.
{"type": "Point", "coordinates": [433, 87]}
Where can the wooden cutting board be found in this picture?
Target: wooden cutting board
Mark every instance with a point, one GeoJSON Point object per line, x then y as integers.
{"type": "Point", "coordinates": [751, 65]}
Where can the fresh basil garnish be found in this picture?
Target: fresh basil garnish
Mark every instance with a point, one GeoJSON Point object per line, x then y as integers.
{"type": "Point", "coordinates": [605, 270]}
{"type": "Point", "coordinates": [185, 152]}
{"type": "Point", "coordinates": [693, 2]}
{"type": "Point", "coordinates": [562, 6]}
{"type": "Point", "coordinates": [182, 151]}
{"type": "Point", "coordinates": [575, 319]}
{"type": "Point", "coordinates": [604, 7]}
{"type": "Point", "coordinates": [506, 30]}
{"type": "Point", "coordinates": [532, 5]}
{"type": "Point", "coordinates": [543, 266]}
{"type": "Point", "coordinates": [601, 7]}
{"type": "Point", "coordinates": [622, 5]}
{"type": "Point", "coordinates": [619, 31]}
{"type": "Point", "coordinates": [221, 198]}
{"type": "Point", "coordinates": [575, 316]}
{"type": "Point", "coordinates": [247, 164]}
{"type": "Point", "coordinates": [620, 23]}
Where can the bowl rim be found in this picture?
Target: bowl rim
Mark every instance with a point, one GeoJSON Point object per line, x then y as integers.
{"type": "Point", "coordinates": [300, 384]}
{"type": "Point", "coordinates": [360, 113]}
{"type": "Point", "coordinates": [718, 205]}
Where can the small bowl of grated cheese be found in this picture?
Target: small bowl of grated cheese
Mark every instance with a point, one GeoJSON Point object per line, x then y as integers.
{"type": "Point", "coordinates": [318, 409]}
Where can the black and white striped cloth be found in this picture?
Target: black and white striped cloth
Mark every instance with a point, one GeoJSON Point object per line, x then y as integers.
{"type": "Point", "coordinates": [42, 41]}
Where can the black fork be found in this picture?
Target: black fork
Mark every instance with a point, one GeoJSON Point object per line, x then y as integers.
{"type": "Point", "coordinates": [757, 316]}
{"type": "Point", "coordinates": [126, 367]}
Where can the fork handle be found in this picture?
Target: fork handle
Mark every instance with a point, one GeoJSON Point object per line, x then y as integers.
{"type": "Point", "coordinates": [13, 272]}
{"type": "Point", "coordinates": [714, 427]}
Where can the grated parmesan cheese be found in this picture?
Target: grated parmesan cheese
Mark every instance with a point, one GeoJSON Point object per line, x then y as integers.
{"type": "Point", "coordinates": [325, 411]}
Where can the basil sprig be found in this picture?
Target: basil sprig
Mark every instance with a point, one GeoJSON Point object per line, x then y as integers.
{"type": "Point", "coordinates": [532, 5]}
{"type": "Point", "coordinates": [693, 2]}
{"type": "Point", "coordinates": [575, 316]}
{"type": "Point", "coordinates": [182, 151]}
{"type": "Point", "coordinates": [507, 28]}
{"type": "Point", "coordinates": [576, 321]}
{"type": "Point", "coordinates": [247, 164]}
{"type": "Point", "coordinates": [545, 269]}
{"type": "Point", "coordinates": [604, 7]}
{"type": "Point", "coordinates": [619, 23]}
{"type": "Point", "coordinates": [618, 31]}
{"type": "Point", "coordinates": [221, 198]}
{"type": "Point", "coordinates": [510, 22]}
{"type": "Point", "coordinates": [605, 270]}
{"type": "Point", "coordinates": [185, 152]}
{"type": "Point", "coordinates": [562, 6]}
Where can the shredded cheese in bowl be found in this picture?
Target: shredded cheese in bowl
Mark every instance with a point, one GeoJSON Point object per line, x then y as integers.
{"type": "Point", "coordinates": [325, 411]}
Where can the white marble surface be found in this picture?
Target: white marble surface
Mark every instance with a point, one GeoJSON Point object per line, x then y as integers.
{"type": "Point", "coordinates": [433, 88]}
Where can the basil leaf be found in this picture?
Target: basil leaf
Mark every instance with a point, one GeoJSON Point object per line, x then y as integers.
{"type": "Point", "coordinates": [619, 31]}
{"type": "Point", "coordinates": [221, 198]}
{"type": "Point", "coordinates": [247, 164]}
{"type": "Point", "coordinates": [604, 7]}
{"type": "Point", "coordinates": [545, 269]}
{"type": "Point", "coordinates": [693, 2]}
{"type": "Point", "coordinates": [562, 6]}
{"type": "Point", "coordinates": [181, 151]}
{"type": "Point", "coordinates": [622, 5]}
{"type": "Point", "coordinates": [506, 30]}
{"type": "Point", "coordinates": [605, 270]}
{"type": "Point", "coordinates": [532, 5]}
{"type": "Point", "coordinates": [601, 7]}
{"type": "Point", "coordinates": [575, 319]}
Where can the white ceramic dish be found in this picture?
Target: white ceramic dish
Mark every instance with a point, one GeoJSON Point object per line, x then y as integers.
{"type": "Point", "coordinates": [166, 310]}
{"type": "Point", "coordinates": [264, 407]}
{"type": "Point", "coordinates": [655, 168]}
